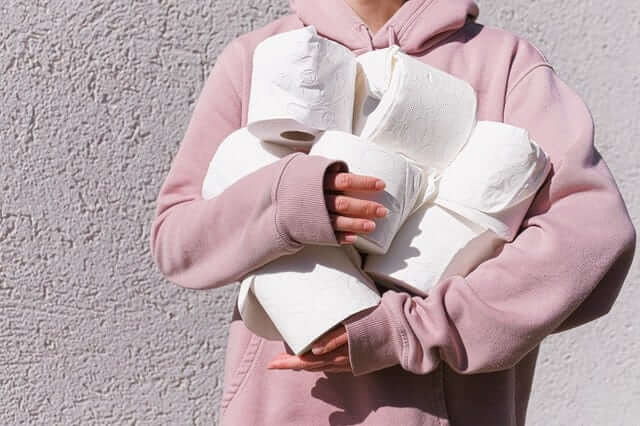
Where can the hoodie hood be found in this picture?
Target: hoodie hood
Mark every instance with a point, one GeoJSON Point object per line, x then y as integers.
{"type": "Point", "coordinates": [414, 27]}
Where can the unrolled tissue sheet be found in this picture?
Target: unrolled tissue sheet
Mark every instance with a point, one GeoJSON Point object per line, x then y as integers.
{"type": "Point", "coordinates": [404, 179]}
{"type": "Point", "coordinates": [411, 107]}
{"type": "Point", "coordinates": [301, 84]}
{"type": "Point", "coordinates": [297, 297]}
{"type": "Point", "coordinates": [480, 203]}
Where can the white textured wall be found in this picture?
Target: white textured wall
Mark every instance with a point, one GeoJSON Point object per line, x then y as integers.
{"type": "Point", "coordinates": [96, 96]}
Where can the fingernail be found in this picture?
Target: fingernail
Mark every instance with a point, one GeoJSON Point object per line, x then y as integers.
{"type": "Point", "coordinates": [382, 211]}
{"type": "Point", "coordinates": [380, 185]}
{"type": "Point", "coordinates": [369, 226]}
{"type": "Point", "coordinates": [351, 238]}
{"type": "Point", "coordinates": [317, 350]}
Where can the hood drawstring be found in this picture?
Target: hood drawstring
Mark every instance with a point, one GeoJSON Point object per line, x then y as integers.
{"type": "Point", "coordinates": [391, 35]}
{"type": "Point", "coordinates": [363, 27]}
{"type": "Point", "coordinates": [416, 26]}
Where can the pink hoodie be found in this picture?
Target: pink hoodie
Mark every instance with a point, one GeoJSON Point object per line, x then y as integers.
{"type": "Point", "coordinates": [466, 354]}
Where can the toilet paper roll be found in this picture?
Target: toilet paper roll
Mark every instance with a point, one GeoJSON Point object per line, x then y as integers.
{"type": "Point", "coordinates": [412, 107]}
{"type": "Point", "coordinates": [371, 73]}
{"type": "Point", "coordinates": [433, 243]}
{"type": "Point", "coordinates": [404, 180]}
{"type": "Point", "coordinates": [297, 297]}
{"type": "Point", "coordinates": [239, 154]}
{"type": "Point", "coordinates": [498, 169]}
{"type": "Point", "coordinates": [301, 84]}
{"type": "Point", "coordinates": [480, 203]}
{"type": "Point", "coordinates": [300, 297]}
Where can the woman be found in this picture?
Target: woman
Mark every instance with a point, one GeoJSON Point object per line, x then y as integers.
{"type": "Point", "coordinates": [466, 354]}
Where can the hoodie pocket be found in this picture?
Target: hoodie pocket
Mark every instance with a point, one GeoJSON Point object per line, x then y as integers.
{"type": "Point", "coordinates": [240, 373]}
{"type": "Point", "coordinates": [242, 348]}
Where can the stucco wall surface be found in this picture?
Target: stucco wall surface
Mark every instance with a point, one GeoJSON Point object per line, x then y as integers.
{"type": "Point", "coordinates": [96, 96]}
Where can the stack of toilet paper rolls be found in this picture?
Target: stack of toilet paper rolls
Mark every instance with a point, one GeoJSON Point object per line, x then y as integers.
{"type": "Point", "coordinates": [483, 174]}
{"type": "Point", "coordinates": [456, 188]}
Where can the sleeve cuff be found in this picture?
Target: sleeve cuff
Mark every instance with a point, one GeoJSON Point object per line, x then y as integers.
{"type": "Point", "coordinates": [301, 213]}
{"type": "Point", "coordinates": [375, 341]}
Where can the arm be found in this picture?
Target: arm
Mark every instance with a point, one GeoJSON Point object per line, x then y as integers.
{"type": "Point", "coordinates": [269, 213]}
{"type": "Point", "coordinates": [577, 240]}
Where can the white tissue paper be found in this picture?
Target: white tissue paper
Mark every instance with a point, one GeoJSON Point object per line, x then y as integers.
{"type": "Point", "coordinates": [404, 180]}
{"type": "Point", "coordinates": [297, 297]}
{"type": "Point", "coordinates": [498, 170]}
{"type": "Point", "coordinates": [301, 84]}
{"type": "Point", "coordinates": [239, 154]}
{"type": "Point", "coordinates": [411, 107]}
{"type": "Point", "coordinates": [479, 203]}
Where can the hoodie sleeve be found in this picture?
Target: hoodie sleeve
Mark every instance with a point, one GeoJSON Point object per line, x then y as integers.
{"type": "Point", "coordinates": [274, 211]}
{"type": "Point", "coordinates": [577, 240]}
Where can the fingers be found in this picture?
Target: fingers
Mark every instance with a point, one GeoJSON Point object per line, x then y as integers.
{"type": "Point", "coordinates": [349, 215]}
{"type": "Point", "coordinates": [340, 365]}
{"type": "Point", "coordinates": [351, 224]}
{"type": "Point", "coordinates": [355, 207]}
{"type": "Point", "coordinates": [338, 359]}
{"type": "Point", "coordinates": [346, 237]}
{"type": "Point", "coordinates": [344, 181]}
{"type": "Point", "coordinates": [330, 341]}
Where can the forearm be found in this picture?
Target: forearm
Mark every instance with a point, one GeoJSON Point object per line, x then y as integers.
{"type": "Point", "coordinates": [266, 214]}
{"type": "Point", "coordinates": [273, 211]}
{"type": "Point", "coordinates": [577, 238]}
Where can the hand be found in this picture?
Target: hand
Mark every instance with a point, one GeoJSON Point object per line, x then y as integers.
{"type": "Point", "coordinates": [351, 215]}
{"type": "Point", "coordinates": [330, 353]}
